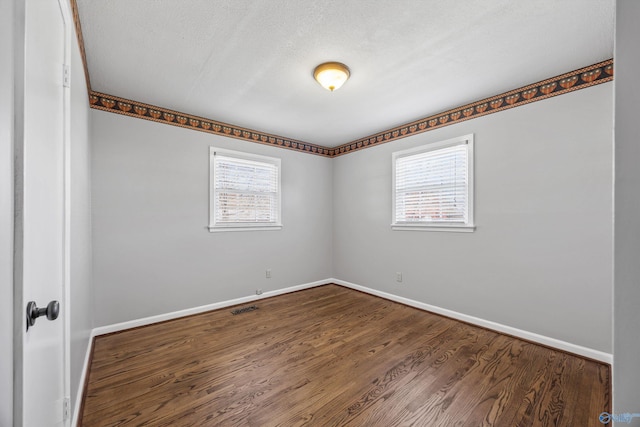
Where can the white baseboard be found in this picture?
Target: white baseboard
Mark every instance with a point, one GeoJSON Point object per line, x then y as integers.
{"type": "Point", "coordinates": [102, 330]}
{"type": "Point", "coordinates": [83, 378]}
{"type": "Point", "coordinates": [530, 336]}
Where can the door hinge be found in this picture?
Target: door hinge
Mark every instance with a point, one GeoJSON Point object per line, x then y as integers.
{"type": "Point", "coordinates": [65, 75]}
{"type": "Point", "coordinates": [66, 408]}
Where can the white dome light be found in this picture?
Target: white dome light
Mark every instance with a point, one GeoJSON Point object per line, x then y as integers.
{"type": "Point", "coordinates": [331, 75]}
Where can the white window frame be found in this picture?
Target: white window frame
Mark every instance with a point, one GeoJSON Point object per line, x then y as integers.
{"type": "Point", "coordinates": [242, 226]}
{"type": "Point", "coordinates": [468, 226]}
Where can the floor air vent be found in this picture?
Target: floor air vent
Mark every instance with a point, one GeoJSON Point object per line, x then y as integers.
{"type": "Point", "coordinates": [244, 309]}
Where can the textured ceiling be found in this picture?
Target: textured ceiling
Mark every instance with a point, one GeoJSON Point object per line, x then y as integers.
{"type": "Point", "coordinates": [250, 62]}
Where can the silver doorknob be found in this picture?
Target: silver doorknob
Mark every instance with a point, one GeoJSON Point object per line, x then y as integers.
{"type": "Point", "coordinates": [33, 312]}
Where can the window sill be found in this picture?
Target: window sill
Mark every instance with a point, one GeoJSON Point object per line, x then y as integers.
{"type": "Point", "coordinates": [448, 228]}
{"type": "Point", "coordinates": [218, 229]}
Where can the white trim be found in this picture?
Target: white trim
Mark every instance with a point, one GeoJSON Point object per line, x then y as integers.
{"type": "Point", "coordinates": [468, 226]}
{"type": "Point", "coordinates": [102, 330]}
{"type": "Point", "coordinates": [66, 303]}
{"type": "Point", "coordinates": [430, 146]}
{"type": "Point", "coordinates": [218, 229]}
{"type": "Point", "coordinates": [170, 316]}
{"type": "Point", "coordinates": [246, 157]}
{"type": "Point", "coordinates": [83, 377]}
{"type": "Point", "coordinates": [430, 227]}
{"type": "Point", "coordinates": [530, 336]}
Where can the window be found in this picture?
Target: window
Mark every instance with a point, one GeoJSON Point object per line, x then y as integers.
{"type": "Point", "coordinates": [433, 186]}
{"type": "Point", "coordinates": [244, 191]}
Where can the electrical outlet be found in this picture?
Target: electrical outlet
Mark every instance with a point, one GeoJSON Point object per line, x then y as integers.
{"type": "Point", "coordinates": [398, 277]}
{"type": "Point", "coordinates": [258, 291]}
{"type": "Point", "coordinates": [268, 273]}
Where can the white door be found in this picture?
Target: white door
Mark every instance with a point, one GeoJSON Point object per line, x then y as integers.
{"type": "Point", "coordinates": [41, 213]}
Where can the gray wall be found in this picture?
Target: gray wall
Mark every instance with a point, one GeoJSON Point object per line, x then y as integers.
{"type": "Point", "coordinates": [81, 287]}
{"type": "Point", "coordinates": [6, 213]}
{"type": "Point", "coordinates": [152, 251]}
{"type": "Point", "coordinates": [540, 258]}
{"type": "Point", "coordinates": [626, 387]}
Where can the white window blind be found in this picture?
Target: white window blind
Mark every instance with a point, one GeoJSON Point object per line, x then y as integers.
{"type": "Point", "coordinates": [432, 185]}
{"type": "Point", "coordinates": [245, 190]}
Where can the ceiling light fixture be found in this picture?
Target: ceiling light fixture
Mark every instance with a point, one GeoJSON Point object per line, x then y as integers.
{"type": "Point", "coordinates": [331, 75]}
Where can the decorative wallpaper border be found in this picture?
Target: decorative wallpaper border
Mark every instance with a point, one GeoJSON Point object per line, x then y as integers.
{"type": "Point", "coordinates": [76, 21]}
{"type": "Point", "coordinates": [127, 107]}
{"type": "Point", "coordinates": [579, 79]}
{"type": "Point", "coordinates": [591, 75]}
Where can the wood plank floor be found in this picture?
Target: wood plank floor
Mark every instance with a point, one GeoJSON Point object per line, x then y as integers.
{"type": "Point", "coordinates": [332, 356]}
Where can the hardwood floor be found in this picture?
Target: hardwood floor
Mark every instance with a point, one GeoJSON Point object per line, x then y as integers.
{"type": "Point", "coordinates": [332, 356]}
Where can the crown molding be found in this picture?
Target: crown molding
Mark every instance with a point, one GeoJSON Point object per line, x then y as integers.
{"type": "Point", "coordinates": [581, 78]}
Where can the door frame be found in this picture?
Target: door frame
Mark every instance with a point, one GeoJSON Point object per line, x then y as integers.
{"type": "Point", "coordinates": [6, 214]}
{"type": "Point", "coordinates": [19, 314]}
